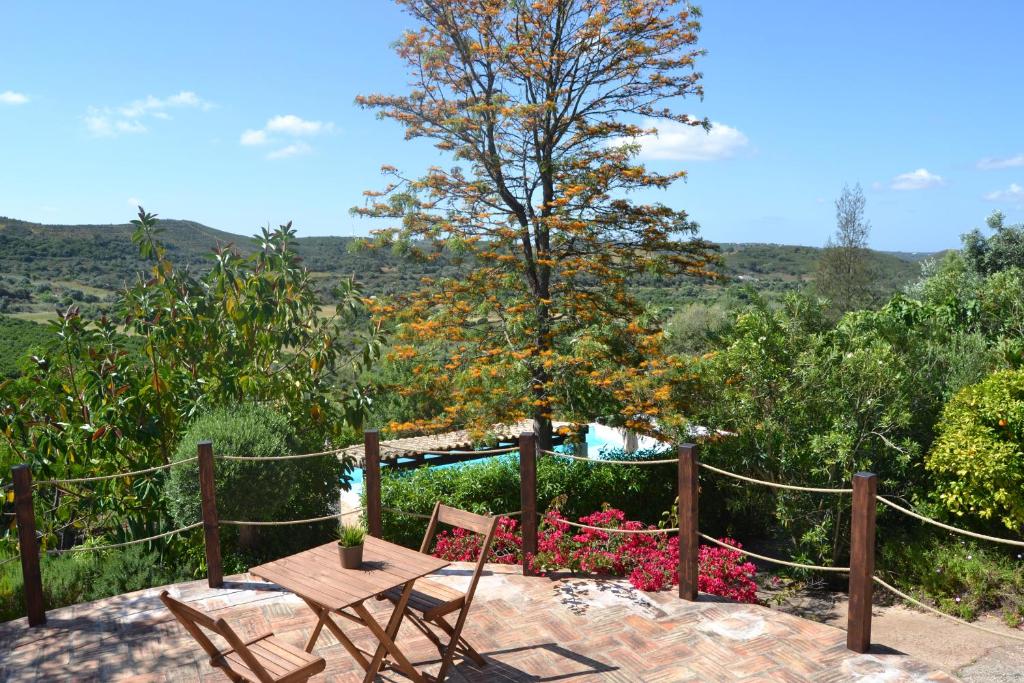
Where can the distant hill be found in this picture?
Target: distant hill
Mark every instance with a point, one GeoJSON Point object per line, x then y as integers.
{"type": "Point", "coordinates": [42, 266]}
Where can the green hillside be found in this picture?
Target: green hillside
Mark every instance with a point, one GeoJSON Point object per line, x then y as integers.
{"type": "Point", "coordinates": [46, 266]}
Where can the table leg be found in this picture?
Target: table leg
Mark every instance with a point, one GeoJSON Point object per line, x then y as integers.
{"type": "Point", "coordinates": [386, 638]}
{"type": "Point", "coordinates": [324, 615]}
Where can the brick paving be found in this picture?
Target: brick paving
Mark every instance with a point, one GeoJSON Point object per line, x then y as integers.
{"type": "Point", "coordinates": [529, 629]}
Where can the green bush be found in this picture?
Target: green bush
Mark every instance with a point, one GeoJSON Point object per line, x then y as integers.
{"type": "Point", "coordinates": [959, 577]}
{"type": "Point", "coordinates": [253, 490]}
{"type": "Point", "coordinates": [978, 457]}
{"type": "Point", "coordinates": [81, 577]}
{"type": "Point", "coordinates": [492, 487]}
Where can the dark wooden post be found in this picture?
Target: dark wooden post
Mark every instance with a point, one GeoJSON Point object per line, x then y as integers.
{"type": "Point", "coordinates": [211, 524]}
{"type": "Point", "coordinates": [28, 544]}
{"type": "Point", "coordinates": [371, 480]}
{"type": "Point", "coordinates": [528, 496]}
{"type": "Point", "coordinates": [688, 538]}
{"type": "Point", "coordinates": [862, 561]}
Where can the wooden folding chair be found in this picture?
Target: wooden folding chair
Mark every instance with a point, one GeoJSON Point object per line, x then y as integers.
{"type": "Point", "coordinates": [431, 602]}
{"type": "Point", "coordinates": [263, 659]}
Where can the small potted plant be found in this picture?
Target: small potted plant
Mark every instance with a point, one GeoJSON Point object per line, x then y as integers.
{"type": "Point", "coordinates": [350, 545]}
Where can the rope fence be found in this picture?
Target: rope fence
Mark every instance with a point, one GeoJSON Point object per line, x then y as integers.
{"type": "Point", "coordinates": [615, 530]}
{"type": "Point", "coordinates": [417, 451]}
{"type": "Point", "coordinates": [950, 617]}
{"type": "Point", "coordinates": [965, 532]}
{"type": "Point", "coordinates": [772, 484]}
{"type": "Point", "coordinates": [775, 560]}
{"type": "Point", "coordinates": [97, 548]}
{"type": "Point", "coordinates": [268, 458]}
{"type": "Point", "coordinates": [105, 477]}
{"type": "Point", "coordinates": [603, 461]}
{"type": "Point", "coordinates": [235, 522]}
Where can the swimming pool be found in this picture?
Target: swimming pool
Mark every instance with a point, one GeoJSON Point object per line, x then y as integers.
{"type": "Point", "coordinates": [599, 437]}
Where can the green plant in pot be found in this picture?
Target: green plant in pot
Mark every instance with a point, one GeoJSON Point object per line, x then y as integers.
{"type": "Point", "coordinates": [350, 545]}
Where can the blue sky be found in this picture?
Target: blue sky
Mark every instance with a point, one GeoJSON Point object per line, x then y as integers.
{"type": "Point", "coordinates": [241, 114]}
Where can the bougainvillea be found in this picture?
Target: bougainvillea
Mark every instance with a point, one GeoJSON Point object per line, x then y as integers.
{"type": "Point", "coordinates": [650, 561]}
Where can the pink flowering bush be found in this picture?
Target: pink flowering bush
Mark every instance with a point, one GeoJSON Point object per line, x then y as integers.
{"type": "Point", "coordinates": [650, 561]}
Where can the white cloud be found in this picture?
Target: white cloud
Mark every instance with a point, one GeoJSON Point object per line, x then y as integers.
{"type": "Point", "coordinates": [680, 142]}
{"type": "Point", "coordinates": [990, 164]}
{"type": "Point", "coordinates": [290, 124]}
{"type": "Point", "coordinates": [254, 137]}
{"type": "Point", "coordinates": [294, 149]}
{"type": "Point", "coordinates": [279, 128]}
{"type": "Point", "coordinates": [11, 97]}
{"type": "Point", "coordinates": [135, 202]}
{"type": "Point", "coordinates": [1014, 194]}
{"type": "Point", "coordinates": [111, 121]}
{"type": "Point", "coordinates": [921, 179]}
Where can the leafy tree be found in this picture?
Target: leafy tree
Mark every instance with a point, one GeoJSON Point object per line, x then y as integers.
{"type": "Point", "coordinates": [544, 103]}
{"type": "Point", "coordinates": [98, 401]}
{"type": "Point", "coordinates": [844, 274]}
{"type": "Point", "coordinates": [1002, 250]}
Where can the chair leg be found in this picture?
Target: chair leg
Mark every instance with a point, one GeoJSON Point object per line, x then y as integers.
{"type": "Point", "coordinates": [457, 640]}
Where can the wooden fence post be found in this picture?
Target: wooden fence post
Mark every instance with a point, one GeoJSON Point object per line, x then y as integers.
{"type": "Point", "coordinates": [528, 497]}
{"type": "Point", "coordinates": [211, 523]}
{"type": "Point", "coordinates": [688, 538]}
{"type": "Point", "coordinates": [862, 561]}
{"type": "Point", "coordinates": [28, 545]}
{"type": "Point", "coordinates": [371, 480]}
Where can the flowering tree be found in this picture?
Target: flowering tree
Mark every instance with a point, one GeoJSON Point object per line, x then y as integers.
{"type": "Point", "coordinates": [543, 103]}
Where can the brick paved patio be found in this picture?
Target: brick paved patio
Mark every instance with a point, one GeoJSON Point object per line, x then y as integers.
{"type": "Point", "coordinates": [529, 629]}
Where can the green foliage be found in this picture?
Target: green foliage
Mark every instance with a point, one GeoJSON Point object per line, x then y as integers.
{"type": "Point", "coordinates": [959, 576]}
{"type": "Point", "coordinates": [795, 399]}
{"type": "Point", "coordinates": [253, 490]}
{"type": "Point", "coordinates": [492, 487]}
{"type": "Point", "coordinates": [99, 401]}
{"type": "Point", "coordinates": [978, 457]}
{"type": "Point", "coordinates": [18, 338]}
{"type": "Point", "coordinates": [1000, 251]}
{"type": "Point", "coordinates": [350, 535]}
{"type": "Point", "coordinates": [81, 577]}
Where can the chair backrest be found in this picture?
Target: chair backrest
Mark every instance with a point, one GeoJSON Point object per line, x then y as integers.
{"type": "Point", "coordinates": [192, 619]}
{"type": "Point", "coordinates": [470, 521]}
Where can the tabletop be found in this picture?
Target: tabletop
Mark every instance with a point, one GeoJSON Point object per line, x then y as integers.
{"type": "Point", "coordinates": [317, 575]}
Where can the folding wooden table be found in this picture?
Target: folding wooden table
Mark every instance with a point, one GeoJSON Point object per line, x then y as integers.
{"type": "Point", "coordinates": [318, 578]}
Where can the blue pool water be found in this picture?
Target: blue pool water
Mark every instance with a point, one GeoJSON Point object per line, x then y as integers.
{"type": "Point", "coordinates": [597, 440]}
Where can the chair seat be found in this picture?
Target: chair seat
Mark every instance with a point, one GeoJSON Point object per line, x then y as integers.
{"type": "Point", "coordinates": [430, 598]}
{"type": "Point", "coordinates": [282, 661]}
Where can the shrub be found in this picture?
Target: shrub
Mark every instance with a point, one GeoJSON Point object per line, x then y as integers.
{"type": "Point", "coordinates": [959, 576]}
{"type": "Point", "coordinates": [81, 577]}
{"type": "Point", "coordinates": [978, 457]}
{"type": "Point", "coordinates": [253, 490]}
{"type": "Point", "coordinates": [492, 487]}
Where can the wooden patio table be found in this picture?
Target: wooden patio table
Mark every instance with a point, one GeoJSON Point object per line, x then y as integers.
{"type": "Point", "coordinates": [316, 576]}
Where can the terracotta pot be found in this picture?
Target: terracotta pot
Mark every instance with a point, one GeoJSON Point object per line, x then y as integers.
{"type": "Point", "coordinates": [351, 557]}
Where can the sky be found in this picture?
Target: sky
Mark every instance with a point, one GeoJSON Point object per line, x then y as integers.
{"type": "Point", "coordinates": [242, 114]}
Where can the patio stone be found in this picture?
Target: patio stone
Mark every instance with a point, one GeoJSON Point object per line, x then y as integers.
{"type": "Point", "coordinates": [556, 628]}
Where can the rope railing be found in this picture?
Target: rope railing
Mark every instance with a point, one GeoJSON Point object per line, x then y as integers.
{"type": "Point", "coordinates": [604, 461]}
{"type": "Point", "coordinates": [965, 532]}
{"type": "Point", "coordinates": [772, 484]}
{"type": "Point", "coordinates": [775, 560]}
{"type": "Point", "coordinates": [417, 451]}
{"type": "Point", "coordinates": [97, 548]}
{"type": "Point", "coordinates": [420, 515]}
{"type": "Point", "coordinates": [614, 530]}
{"type": "Point", "coordinates": [266, 458]}
{"type": "Point", "coordinates": [950, 617]}
{"type": "Point", "coordinates": [236, 522]}
{"type": "Point", "coordinates": [9, 560]}
{"type": "Point", "coordinates": [118, 475]}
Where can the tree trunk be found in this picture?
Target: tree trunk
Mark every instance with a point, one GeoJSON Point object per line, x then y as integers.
{"type": "Point", "coordinates": [542, 428]}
